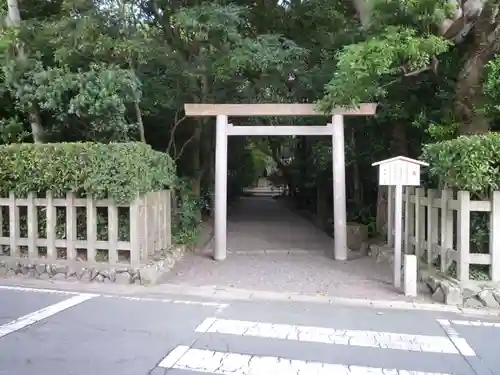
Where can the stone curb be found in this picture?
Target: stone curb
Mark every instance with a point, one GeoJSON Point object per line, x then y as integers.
{"type": "Point", "coordinates": [228, 294]}
{"type": "Point", "coordinates": [243, 294]}
{"type": "Point", "coordinates": [145, 274]}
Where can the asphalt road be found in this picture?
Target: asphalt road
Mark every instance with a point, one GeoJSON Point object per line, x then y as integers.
{"type": "Point", "coordinates": [70, 333]}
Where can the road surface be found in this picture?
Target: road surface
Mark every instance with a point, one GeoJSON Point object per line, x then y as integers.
{"type": "Point", "coordinates": [71, 333]}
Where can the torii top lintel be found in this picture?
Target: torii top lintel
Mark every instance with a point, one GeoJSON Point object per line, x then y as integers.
{"type": "Point", "coordinates": [294, 109]}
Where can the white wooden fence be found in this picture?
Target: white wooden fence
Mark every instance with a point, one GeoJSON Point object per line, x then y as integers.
{"type": "Point", "coordinates": [438, 224]}
{"type": "Point", "coordinates": [149, 229]}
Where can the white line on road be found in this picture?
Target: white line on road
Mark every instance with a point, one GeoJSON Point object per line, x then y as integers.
{"type": "Point", "coordinates": [223, 363]}
{"type": "Point", "coordinates": [461, 344]}
{"type": "Point", "coordinates": [220, 306]}
{"type": "Point", "coordinates": [35, 290]}
{"type": "Point", "coordinates": [371, 339]}
{"type": "Point", "coordinates": [36, 316]}
{"type": "Point", "coordinates": [475, 323]}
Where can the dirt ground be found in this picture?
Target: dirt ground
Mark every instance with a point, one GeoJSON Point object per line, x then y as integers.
{"type": "Point", "coordinates": [271, 248]}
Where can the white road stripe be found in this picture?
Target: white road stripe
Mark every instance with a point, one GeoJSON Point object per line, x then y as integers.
{"type": "Point", "coordinates": [36, 316]}
{"type": "Point", "coordinates": [173, 357]}
{"type": "Point", "coordinates": [219, 306]}
{"type": "Point", "coordinates": [460, 343]}
{"type": "Point", "coordinates": [475, 323]}
{"type": "Point", "coordinates": [35, 290]}
{"type": "Point", "coordinates": [372, 339]}
{"type": "Point", "coordinates": [223, 363]}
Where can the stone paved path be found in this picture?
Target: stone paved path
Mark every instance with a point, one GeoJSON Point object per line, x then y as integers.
{"type": "Point", "coordinates": [261, 233]}
{"type": "Point", "coordinates": [260, 224]}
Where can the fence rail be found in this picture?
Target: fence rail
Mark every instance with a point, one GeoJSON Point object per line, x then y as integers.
{"type": "Point", "coordinates": [85, 230]}
{"type": "Point", "coordinates": [437, 228]}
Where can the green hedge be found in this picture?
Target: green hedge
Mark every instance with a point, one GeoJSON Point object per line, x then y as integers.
{"type": "Point", "coordinates": [119, 171]}
{"type": "Point", "coordinates": [469, 163]}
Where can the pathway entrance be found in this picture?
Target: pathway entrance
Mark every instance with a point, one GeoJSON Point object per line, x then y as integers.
{"type": "Point", "coordinates": [272, 248]}
{"type": "Point", "coordinates": [224, 129]}
{"type": "Point", "coordinates": [264, 225]}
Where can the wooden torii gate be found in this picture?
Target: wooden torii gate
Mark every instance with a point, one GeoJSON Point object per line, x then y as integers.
{"type": "Point", "coordinates": [335, 129]}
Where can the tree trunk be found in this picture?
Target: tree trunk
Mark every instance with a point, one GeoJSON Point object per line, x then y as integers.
{"type": "Point", "coordinates": [356, 175]}
{"type": "Point", "coordinates": [400, 138]}
{"type": "Point", "coordinates": [468, 90]}
{"type": "Point", "coordinates": [468, 94]}
{"type": "Point", "coordinates": [36, 125]}
{"type": "Point", "coordinates": [14, 20]}
{"type": "Point", "coordinates": [140, 122]}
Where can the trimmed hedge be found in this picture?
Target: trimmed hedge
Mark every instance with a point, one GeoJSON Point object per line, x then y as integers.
{"type": "Point", "coordinates": [119, 171]}
{"type": "Point", "coordinates": [469, 163]}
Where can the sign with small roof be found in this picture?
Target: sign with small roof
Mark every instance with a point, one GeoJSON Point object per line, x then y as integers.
{"type": "Point", "coordinates": [399, 170]}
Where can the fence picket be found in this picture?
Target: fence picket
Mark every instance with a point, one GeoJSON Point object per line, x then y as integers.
{"type": "Point", "coordinates": [463, 235]}
{"type": "Point", "coordinates": [495, 237]}
{"type": "Point", "coordinates": [150, 228]}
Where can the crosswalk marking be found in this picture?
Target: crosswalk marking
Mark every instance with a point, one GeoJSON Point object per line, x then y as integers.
{"type": "Point", "coordinates": [225, 363]}
{"type": "Point", "coordinates": [475, 323]}
{"type": "Point", "coordinates": [371, 339]}
{"type": "Point", "coordinates": [459, 342]}
{"type": "Point", "coordinates": [36, 316]}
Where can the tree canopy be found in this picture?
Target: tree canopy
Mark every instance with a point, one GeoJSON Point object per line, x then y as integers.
{"type": "Point", "coordinates": [120, 70]}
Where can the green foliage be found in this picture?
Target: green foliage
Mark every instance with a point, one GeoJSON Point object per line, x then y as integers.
{"type": "Point", "coordinates": [241, 168]}
{"type": "Point", "coordinates": [120, 171]}
{"type": "Point", "coordinates": [491, 88]}
{"type": "Point", "coordinates": [469, 163]}
{"type": "Point", "coordinates": [97, 97]}
{"type": "Point", "coordinates": [260, 161]}
{"type": "Point", "coordinates": [185, 223]}
{"type": "Point", "coordinates": [365, 69]}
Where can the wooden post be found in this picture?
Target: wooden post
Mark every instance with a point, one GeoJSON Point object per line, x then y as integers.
{"type": "Point", "coordinates": [135, 232]}
{"type": "Point", "coordinates": [446, 238]}
{"type": "Point", "coordinates": [113, 233]}
{"type": "Point", "coordinates": [70, 227]}
{"type": "Point", "coordinates": [409, 223]}
{"type": "Point", "coordinates": [463, 235]}
{"type": "Point", "coordinates": [51, 227]}
{"type": "Point", "coordinates": [32, 227]}
{"type": "Point", "coordinates": [398, 218]}
{"type": "Point", "coordinates": [220, 230]}
{"type": "Point", "coordinates": [91, 229]}
{"type": "Point", "coordinates": [168, 213]}
{"type": "Point", "coordinates": [495, 237]}
{"type": "Point", "coordinates": [419, 221]}
{"type": "Point", "coordinates": [162, 230]}
{"type": "Point", "coordinates": [431, 223]}
{"type": "Point", "coordinates": [339, 194]}
{"type": "Point", "coordinates": [390, 216]}
{"type": "Point", "coordinates": [13, 226]}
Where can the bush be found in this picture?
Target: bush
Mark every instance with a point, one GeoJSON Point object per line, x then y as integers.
{"type": "Point", "coordinates": [120, 171]}
{"type": "Point", "coordinates": [469, 163]}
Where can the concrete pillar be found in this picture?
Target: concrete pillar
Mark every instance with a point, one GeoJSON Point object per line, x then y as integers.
{"type": "Point", "coordinates": [339, 190]}
{"type": "Point", "coordinates": [410, 275]}
{"type": "Point", "coordinates": [398, 219]}
{"type": "Point", "coordinates": [220, 221]}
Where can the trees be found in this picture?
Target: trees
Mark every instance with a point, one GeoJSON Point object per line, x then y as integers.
{"type": "Point", "coordinates": [115, 70]}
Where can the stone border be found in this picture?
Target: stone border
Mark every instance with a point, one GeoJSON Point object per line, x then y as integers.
{"type": "Point", "coordinates": [149, 274]}
{"type": "Point", "coordinates": [444, 289]}
{"type": "Point", "coordinates": [449, 292]}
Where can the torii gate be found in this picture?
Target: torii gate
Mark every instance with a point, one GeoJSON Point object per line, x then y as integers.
{"type": "Point", "coordinates": [335, 129]}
